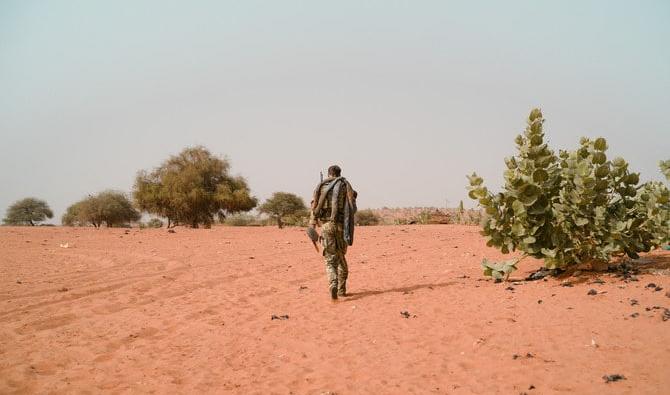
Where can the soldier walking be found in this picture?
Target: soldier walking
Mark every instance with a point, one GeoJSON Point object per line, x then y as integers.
{"type": "Point", "coordinates": [333, 206]}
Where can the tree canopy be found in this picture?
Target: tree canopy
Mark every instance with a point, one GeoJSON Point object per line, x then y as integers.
{"type": "Point", "coordinates": [665, 168]}
{"type": "Point", "coordinates": [281, 205]}
{"type": "Point", "coordinates": [112, 208]}
{"type": "Point", "coordinates": [27, 211]}
{"type": "Point", "coordinates": [192, 188]}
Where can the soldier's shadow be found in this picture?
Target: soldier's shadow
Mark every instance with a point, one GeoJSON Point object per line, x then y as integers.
{"type": "Point", "coordinates": [362, 294]}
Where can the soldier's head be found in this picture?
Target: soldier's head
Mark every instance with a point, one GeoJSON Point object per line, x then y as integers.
{"type": "Point", "coordinates": [334, 171]}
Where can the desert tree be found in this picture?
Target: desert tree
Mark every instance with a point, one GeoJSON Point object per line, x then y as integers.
{"type": "Point", "coordinates": [112, 208]}
{"type": "Point", "coordinates": [192, 187]}
{"type": "Point", "coordinates": [282, 205]}
{"type": "Point", "coordinates": [28, 211]}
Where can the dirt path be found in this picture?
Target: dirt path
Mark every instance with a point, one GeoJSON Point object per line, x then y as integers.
{"type": "Point", "coordinates": [154, 312]}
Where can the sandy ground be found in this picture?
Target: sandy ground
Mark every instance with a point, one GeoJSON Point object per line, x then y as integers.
{"type": "Point", "coordinates": [147, 311]}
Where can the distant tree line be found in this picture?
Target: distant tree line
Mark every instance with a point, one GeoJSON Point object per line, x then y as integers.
{"type": "Point", "coordinates": [193, 188]}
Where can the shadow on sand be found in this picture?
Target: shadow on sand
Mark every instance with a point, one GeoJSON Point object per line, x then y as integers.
{"type": "Point", "coordinates": [363, 294]}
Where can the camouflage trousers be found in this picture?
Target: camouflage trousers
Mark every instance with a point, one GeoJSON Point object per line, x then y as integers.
{"type": "Point", "coordinates": [334, 249]}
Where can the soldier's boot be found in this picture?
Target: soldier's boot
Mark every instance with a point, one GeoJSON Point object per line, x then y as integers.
{"type": "Point", "coordinates": [342, 291]}
{"type": "Point", "coordinates": [333, 293]}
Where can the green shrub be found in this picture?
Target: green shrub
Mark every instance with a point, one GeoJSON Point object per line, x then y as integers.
{"type": "Point", "coordinates": [366, 218]}
{"type": "Point", "coordinates": [241, 220]}
{"type": "Point", "coordinates": [424, 217]}
{"type": "Point", "coordinates": [577, 207]}
{"type": "Point", "coordinates": [110, 207]}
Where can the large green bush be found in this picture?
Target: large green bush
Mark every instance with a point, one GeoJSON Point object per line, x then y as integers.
{"type": "Point", "coordinates": [577, 207]}
{"type": "Point", "coordinates": [110, 207]}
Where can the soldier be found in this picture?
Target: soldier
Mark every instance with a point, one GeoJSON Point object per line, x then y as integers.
{"type": "Point", "coordinates": [334, 206]}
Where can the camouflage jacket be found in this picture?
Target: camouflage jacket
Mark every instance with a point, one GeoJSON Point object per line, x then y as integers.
{"type": "Point", "coordinates": [329, 194]}
{"type": "Point", "coordinates": [335, 200]}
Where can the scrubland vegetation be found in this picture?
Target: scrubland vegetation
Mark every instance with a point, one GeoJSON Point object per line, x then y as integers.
{"type": "Point", "coordinates": [575, 207]}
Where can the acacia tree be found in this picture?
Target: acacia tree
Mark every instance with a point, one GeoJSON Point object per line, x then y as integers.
{"type": "Point", "coordinates": [112, 208]}
{"type": "Point", "coordinates": [281, 205]}
{"type": "Point", "coordinates": [192, 188]}
{"type": "Point", "coordinates": [27, 211]}
{"type": "Point", "coordinates": [577, 207]}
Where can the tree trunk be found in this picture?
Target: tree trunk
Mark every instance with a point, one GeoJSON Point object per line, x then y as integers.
{"type": "Point", "coordinates": [31, 222]}
{"type": "Point", "coordinates": [279, 222]}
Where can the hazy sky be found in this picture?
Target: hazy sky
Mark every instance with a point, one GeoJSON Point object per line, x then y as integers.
{"type": "Point", "coordinates": [406, 96]}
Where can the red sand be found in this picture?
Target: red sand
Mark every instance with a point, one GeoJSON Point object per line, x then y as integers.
{"type": "Point", "coordinates": [151, 311]}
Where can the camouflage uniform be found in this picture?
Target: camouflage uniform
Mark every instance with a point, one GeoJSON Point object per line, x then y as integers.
{"type": "Point", "coordinates": [332, 237]}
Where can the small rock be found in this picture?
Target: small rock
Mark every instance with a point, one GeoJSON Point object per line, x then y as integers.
{"type": "Point", "coordinates": [658, 289]}
{"type": "Point", "coordinates": [280, 317]}
{"type": "Point", "coordinates": [19, 282]}
{"type": "Point", "coordinates": [667, 294]}
{"type": "Point", "coordinates": [666, 315]}
{"type": "Point", "coordinates": [171, 231]}
{"type": "Point", "coordinates": [592, 292]}
{"type": "Point", "coordinates": [406, 314]}
{"type": "Point", "coordinates": [633, 302]}
{"type": "Point", "coordinates": [64, 289]}
{"type": "Point", "coordinates": [539, 301]}
{"type": "Point", "coordinates": [635, 315]}
{"type": "Point", "coordinates": [510, 288]}
{"type": "Point", "coordinates": [532, 387]}
{"type": "Point", "coordinates": [610, 378]}
{"type": "Point", "coordinates": [651, 285]}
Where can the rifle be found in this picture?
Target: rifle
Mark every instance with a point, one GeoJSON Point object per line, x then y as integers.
{"type": "Point", "coordinates": [311, 232]}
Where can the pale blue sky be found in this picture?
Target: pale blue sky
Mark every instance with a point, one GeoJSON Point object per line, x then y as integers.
{"type": "Point", "coordinates": [407, 96]}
